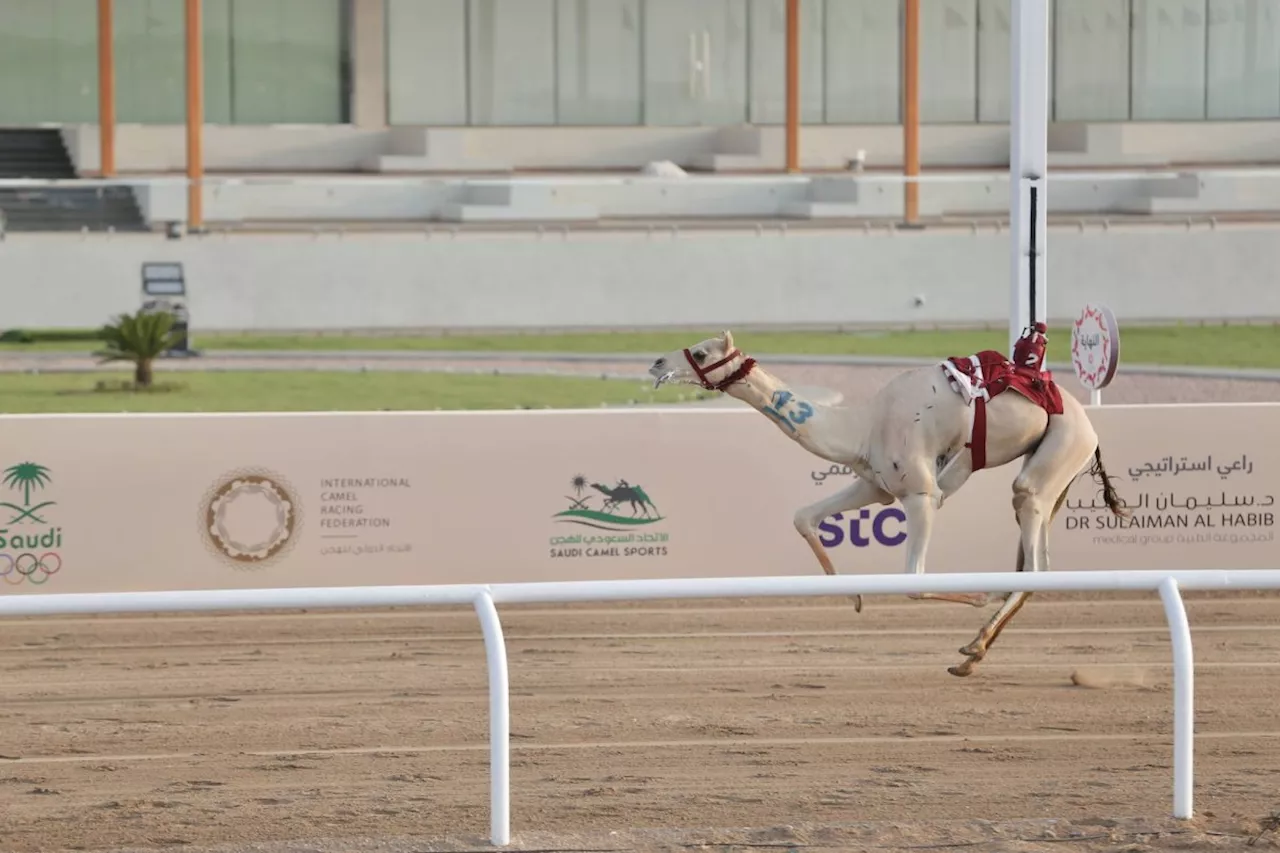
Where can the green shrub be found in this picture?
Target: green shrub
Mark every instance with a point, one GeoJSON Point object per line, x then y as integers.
{"type": "Point", "coordinates": [35, 336]}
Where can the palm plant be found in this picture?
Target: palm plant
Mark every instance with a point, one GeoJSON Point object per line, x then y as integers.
{"type": "Point", "coordinates": [139, 338]}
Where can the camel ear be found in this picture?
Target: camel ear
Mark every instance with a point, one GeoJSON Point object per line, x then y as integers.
{"type": "Point", "coordinates": [728, 340]}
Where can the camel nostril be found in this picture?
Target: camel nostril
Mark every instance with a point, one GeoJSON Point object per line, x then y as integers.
{"type": "Point", "coordinates": [660, 362]}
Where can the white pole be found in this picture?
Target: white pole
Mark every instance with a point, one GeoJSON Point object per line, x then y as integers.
{"type": "Point", "coordinates": [1183, 698]}
{"type": "Point", "coordinates": [1028, 161]}
{"type": "Point", "coordinates": [495, 649]}
{"type": "Point", "coordinates": [1095, 396]}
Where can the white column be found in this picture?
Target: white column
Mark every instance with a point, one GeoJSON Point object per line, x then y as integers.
{"type": "Point", "coordinates": [1028, 161]}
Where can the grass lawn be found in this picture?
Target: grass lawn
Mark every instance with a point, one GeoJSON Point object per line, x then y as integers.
{"type": "Point", "coordinates": [1228, 346]}
{"type": "Point", "coordinates": [320, 391]}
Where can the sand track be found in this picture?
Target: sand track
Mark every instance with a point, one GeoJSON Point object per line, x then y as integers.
{"type": "Point", "coordinates": [184, 731]}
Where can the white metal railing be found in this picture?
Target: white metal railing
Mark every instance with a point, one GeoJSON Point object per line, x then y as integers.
{"type": "Point", "coordinates": [485, 598]}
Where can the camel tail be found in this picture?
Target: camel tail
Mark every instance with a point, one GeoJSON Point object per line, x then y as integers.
{"type": "Point", "coordinates": [1114, 502]}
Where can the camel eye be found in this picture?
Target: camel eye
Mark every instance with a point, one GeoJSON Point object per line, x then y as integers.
{"type": "Point", "coordinates": [699, 356]}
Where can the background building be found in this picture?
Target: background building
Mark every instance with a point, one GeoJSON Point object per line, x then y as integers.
{"type": "Point", "coordinates": [616, 70]}
{"type": "Point", "coordinates": [439, 95]}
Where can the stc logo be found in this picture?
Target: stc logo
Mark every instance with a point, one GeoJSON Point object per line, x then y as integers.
{"type": "Point", "coordinates": [888, 527]}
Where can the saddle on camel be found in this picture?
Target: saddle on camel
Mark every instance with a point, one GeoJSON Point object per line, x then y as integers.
{"type": "Point", "coordinates": [987, 373]}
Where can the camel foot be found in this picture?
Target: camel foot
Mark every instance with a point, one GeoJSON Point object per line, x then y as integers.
{"type": "Point", "coordinates": [976, 649]}
{"type": "Point", "coordinates": [831, 570]}
{"type": "Point", "coordinates": [962, 670]}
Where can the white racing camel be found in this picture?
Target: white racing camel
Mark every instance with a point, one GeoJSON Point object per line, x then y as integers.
{"type": "Point", "coordinates": [918, 439]}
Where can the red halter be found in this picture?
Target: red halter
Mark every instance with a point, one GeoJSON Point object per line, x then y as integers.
{"type": "Point", "coordinates": [737, 375]}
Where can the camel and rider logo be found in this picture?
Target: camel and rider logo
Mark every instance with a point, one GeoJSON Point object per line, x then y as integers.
{"type": "Point", "coordinates": [30, 543]}
{"type": "Point", "coordinates": [622, 506]}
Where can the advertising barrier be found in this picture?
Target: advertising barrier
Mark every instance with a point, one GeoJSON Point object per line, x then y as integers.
{"type": "Point", "coordinates": [96, 503]}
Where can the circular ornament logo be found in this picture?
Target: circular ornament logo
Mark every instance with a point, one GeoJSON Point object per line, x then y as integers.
{"type": "Point", "coordinates": [250, 517]}
{"type": "Point", "coordinates": [1095, 346]}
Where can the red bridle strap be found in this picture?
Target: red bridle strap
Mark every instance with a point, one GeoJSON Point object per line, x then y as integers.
{"type": "Point", "coordinates": [737, 375]}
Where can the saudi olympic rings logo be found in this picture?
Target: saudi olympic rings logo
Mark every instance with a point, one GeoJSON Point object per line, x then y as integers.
{"type": "Point", "coordinates": [29, 567]}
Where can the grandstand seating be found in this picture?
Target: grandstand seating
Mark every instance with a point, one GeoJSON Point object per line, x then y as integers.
{"type": "Point", "coordinates": [39, 153]}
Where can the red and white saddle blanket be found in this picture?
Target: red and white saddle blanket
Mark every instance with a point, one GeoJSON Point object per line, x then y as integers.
{"type": "Point", "coordinates": [986, 374]}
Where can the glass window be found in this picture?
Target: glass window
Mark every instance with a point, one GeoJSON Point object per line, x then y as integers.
{"type": "Point", "coordinates": [48, 61]}
{"type": "Point", "coordinates": [695, 62]}
{"type": "Point", "coordinates": [287, 62]}
{"type": "Point", "coordinates": [768, 62]}
{"type": "Point", "coordinates": [863, 59]}
{"type": "Point", "coordinates": [994, 54]}
{"type": "Point", "coordinates": [1168, 59]}
{"type": "Point", "coordinates": [217, 64]}
{"type": "Point", "coordinates": [265, 61]}
{"type": "Point", "coordinates": [427, 62]}
{"type": "Point", "coordinates": [598, 62]}
{"type": "Point", "coordinates": [150, 75]}
{"type": "Point", "coordinates": [1244, 59]}
{"type": "Point", "coordinates": [1091, 60]}
{"type": "Point", "coordinates": [948, 61]}
{"type": "Point", "coordinates": [512, 62]}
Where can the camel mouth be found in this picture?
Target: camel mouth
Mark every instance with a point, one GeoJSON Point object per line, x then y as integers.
{"type": "Point", "coordinates": [661, 378]}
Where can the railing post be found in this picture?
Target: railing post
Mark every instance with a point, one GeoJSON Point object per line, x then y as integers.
{"type": "Point", "coordinates": [495, 648]}
{"type": "Point", "coordinates": [1183, 699]}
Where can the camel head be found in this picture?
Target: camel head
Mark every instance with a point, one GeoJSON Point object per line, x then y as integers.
{"type": "Point", "coordinates": [715, 364]}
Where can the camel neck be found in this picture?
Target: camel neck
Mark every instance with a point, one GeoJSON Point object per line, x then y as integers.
{"type": "Point", "coordinates": [835, 433]}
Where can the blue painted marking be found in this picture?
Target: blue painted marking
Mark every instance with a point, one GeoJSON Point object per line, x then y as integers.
{"type": "Point", "coordinates": [803, 412]}
{"type": "Point", "coordinates": [779, 418]}
{"type": "Point", "coordinates": [779, 404]}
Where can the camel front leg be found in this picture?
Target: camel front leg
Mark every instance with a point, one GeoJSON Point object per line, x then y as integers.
{"type": "Point", "coordinates": [861, 493]}
{"type": "Point", "coordinates": [920, 509]}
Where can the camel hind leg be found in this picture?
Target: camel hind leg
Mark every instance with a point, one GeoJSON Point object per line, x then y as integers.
{"type": "Point", "coordinates": [1050, 470]}
{"type": "Point", "coordinates": [977, 650]}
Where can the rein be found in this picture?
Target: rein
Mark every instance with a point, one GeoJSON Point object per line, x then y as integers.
{"type": "Point", "coordinates": [737, 376]}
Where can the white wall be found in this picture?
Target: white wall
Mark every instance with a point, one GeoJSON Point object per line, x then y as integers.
{"type": "Point", "coordinates": [344, 199]}
{"type": "Point", "coordinates": [298, 148]}
{"type": "Point", "coordinates": [317, 200]}
{"type": "Point", "coordinates": [608, 278]}
{"type": "Point", "coordinates": [245, 148]}
{"type": "Point", "coordinates": [438, 511]}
